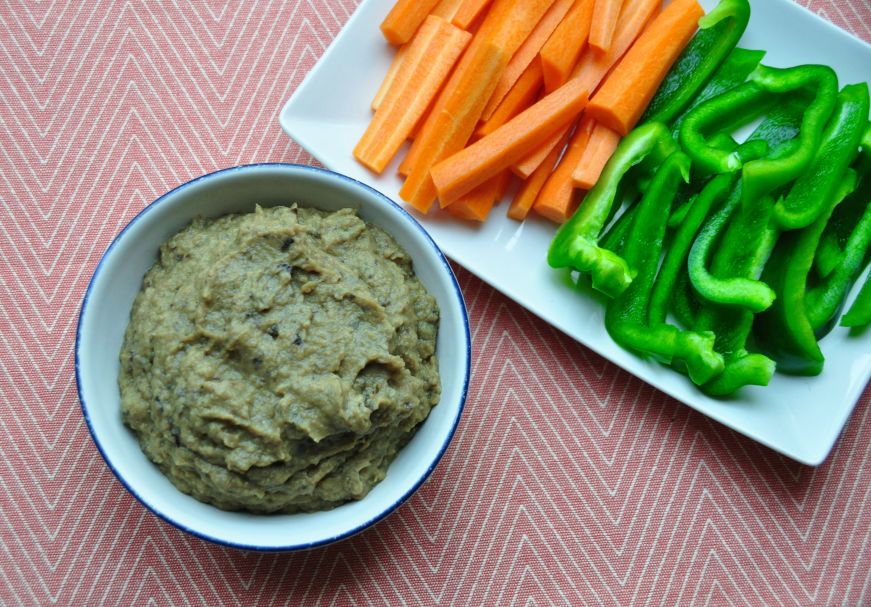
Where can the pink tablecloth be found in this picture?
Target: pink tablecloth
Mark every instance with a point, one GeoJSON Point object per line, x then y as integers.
{"type": "Point", "coordinates": [569, 482]}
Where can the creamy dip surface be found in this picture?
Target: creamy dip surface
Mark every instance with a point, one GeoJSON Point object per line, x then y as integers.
{"type": "Point", "coordinates": [277, 361]}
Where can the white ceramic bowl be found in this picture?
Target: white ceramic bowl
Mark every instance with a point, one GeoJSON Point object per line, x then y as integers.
{"type": "Point", "coordinates": [106, 311]}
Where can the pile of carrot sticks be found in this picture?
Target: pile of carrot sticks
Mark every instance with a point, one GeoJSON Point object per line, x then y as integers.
{"type": "Point", "coordinates": [538, 89]}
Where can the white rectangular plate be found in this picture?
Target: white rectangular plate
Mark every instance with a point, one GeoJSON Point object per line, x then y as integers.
{"type": "Point", "coordinates": [799, 417]}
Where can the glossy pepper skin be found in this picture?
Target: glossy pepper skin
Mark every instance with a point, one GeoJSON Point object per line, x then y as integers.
{"type": "Point", "coordinates": [719, 32]}
{"type": "Point", "coordinates": [732, 325]}
{"type": "Point", "coordinates": [785, 331]}
{"type": "Point", "coordinates": [626, 318]}
{"type": "Point", "coordinates": [731, 288]}
{"type": "Point", "coordinates": [713, 195]}
{"type": "Point", "coordinates": [859, 314]}
{"type": "Point", "coordinates": [576, 244]}
{"type": "Point", "coordinates": [734, 71]}
{"type": "Point", "coordinates": [831, 250]}
{"type": "Point", "coordinates": [824, 300]}
{"type": "Point", "coordinates": [815, 187]}
{"type": "Point", "coordinates": [766, 87]}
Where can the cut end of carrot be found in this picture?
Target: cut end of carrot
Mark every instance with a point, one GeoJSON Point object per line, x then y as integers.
{"type": "Point", "coordinates": [560, 53]}
{"type": "Point", "coordinates": [559, 214]}
{"type": "Point", "coordinates": [468, 12]}
{"type": "Point", "coordinates": [600, 148]}
{"type": "Point", "coordinates": [477, 204]}
{"type": "Point", "coordinates": [605, 14]}
{"type": "Point", "coordinates": [404, 18]}
{"type": "Point", "coordinates": [528, 165]}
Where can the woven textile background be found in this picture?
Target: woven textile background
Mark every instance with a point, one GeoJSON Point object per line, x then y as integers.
{"type": "Point", "coordinates": [569, 481]}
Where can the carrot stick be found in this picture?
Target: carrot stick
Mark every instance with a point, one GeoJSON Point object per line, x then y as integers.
{"type": "Point", "coordinates": [527, 52]}
{"type": "Point", "coordinates": [404, 19]}
{"type": "Point", "coordinates": [447, 9]}
{"type": "Point", "coordinates": [604, 23]}
{"type": "Point", "coordinates": [505, 27]}
{"type": "Point", "coordinates": [559, 55]}
{"type": "Point", "coordinates": [558, 198]}
{"type": "Point", "coordinates": [485, 158]}
{"type": "Point", "coordinates": [447, 131]}
{"type": "Point", "coordinates": [469, 11]}
{"type": "Point", "coordinates": [603, 142]}
{"type": "Point", "coordinates": [526, 166]}
{"type": "Point", "coordinates": [520, 97]}
{"type": "Point", "coordinates": [593, 66]}
{"type": "Point", "coordinates": [390, 77]}
{"type": "Point", "coordinates": [476, 205]}
{"type": "Point", "coordinates": [622, 98]}
{"type": "Point", "coordinates": [430, 57]}
{"type": "Point", "coordinates": [528, 192]}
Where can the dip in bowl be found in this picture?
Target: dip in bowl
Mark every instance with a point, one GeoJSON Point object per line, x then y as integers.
{"type": "Point", "coordinates": [106, 312]}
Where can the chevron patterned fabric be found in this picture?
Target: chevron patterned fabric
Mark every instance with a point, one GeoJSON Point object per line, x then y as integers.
{"type": "Point", "coordinates": [569, 481]}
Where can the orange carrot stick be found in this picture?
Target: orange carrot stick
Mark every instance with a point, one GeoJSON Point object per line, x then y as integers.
{"type": "Point", "coordinates": [559, 55]}
{"type": "Point", "coordinates": [447, 9]}
{"type": "Point", "coordinates": [485, 158]}
{"type": "Point", "coordinates": [390, 77]}
{"type": "Point", "coordinates": [558, 198]}
{"type": "Point", "coordinates": [622, 98]}
{"type": "Point", "coordinates": [447, 131]}
{"type": "Point", "coordinates": [528, 192]}
{"type": "Point", "coordinates": [603, 142]}
{"type": "Point", "coordinates": [429, 60]}
{"type": "Point", "coordinates": [604, 23]}
{"type": "Point", "coordinates": [505, 27]}
{"type": "Point", "coordinates": [527, 52]}
{"type": "Point", "coordinates": [593, 66]}
{"type": "Point", "coordinates": [526, 166]}
{"type": "Point", "coordinates": [520, 97]}
{"type": "Point", "coordinates": [469, 11]}
{"type": "Point", "coordinates": [404, 19]}
{"type": "Point", "coordinates": [476, 205]}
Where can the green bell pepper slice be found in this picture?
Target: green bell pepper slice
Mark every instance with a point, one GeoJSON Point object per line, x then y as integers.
{"type": "Point", "coordinates": [735, 289]}
{"type": "Point", "coordinates": [814, 188]}
{"type": "Point", "coordinates": [734, 71]}
{"type": "Point", "coordinates": [860, 312]}
{"type": "Point", "coordinates": [576, 244]}
{"type": "Point", "coordinates": [785, 331]}
{"type": "Point", "coordinates": [766, 87]}
{"type": "Point", "coordinates": [719, 32]}
{"type": "Point", "coordinates": [626, 317]}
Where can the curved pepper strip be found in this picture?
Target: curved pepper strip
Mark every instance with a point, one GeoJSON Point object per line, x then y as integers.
{"type": "Point", "coordinates": [745, 246]}
{"type": "Point", "coordinates": [847, 215]}
{"type": "Point", "coordinates": [824, 300]}
{"type": "Point", "coordinates": [749, 101]}
{"type": "Point", "coordinates": [719, 32]}
{"type": "Point", "coordinates": [672, 290]}
{"type": "Point", "coordinates": [785, 331]}
{"type": "Point", "coordinates": [712, 195]}
{"type": "Point", "coordinates": [743, 255]}
{"type": "Point", "coordinates": [626, 318]}
{"type": "Point", "coordinates": [734, 71]}
{"type": "Point", "coordinates": [860, 312]}
{"type": "Point", "coordinates": [814, 188]}
{"type": "Point", "coordinates": [767, 174]}
{"type": "Point", "coordinates": [736, 290]}
{"type": "Point", "coordinates": [576, 244]}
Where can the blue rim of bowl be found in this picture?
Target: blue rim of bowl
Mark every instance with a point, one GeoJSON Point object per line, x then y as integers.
{"type": "Point", "coordinates": [402, 499]}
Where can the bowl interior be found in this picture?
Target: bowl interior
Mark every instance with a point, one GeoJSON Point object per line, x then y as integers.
{"type": "Point", "coordinates": [106, 311]}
